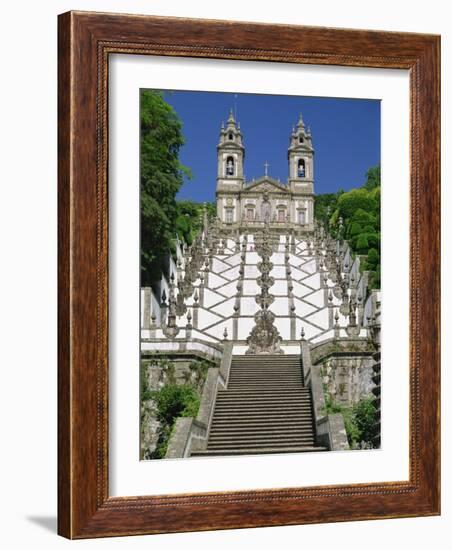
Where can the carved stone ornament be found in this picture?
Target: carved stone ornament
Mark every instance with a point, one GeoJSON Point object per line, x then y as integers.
{"type": "Point", "coordinates": [265, 337]}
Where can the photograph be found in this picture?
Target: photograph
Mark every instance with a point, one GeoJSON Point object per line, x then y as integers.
{"type": "Point", "coordinates": [260, 268]}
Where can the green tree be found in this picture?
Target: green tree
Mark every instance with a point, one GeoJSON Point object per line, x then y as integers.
{"type": "Point", "coordinates": [354, 229]}
{"type": "Point", "coordinates": [323, 204]}
{"type": "Point", "coordinates": [174, 401]}
{"type": "Point", "coordinates": [373, 178]}
{"type": "Point", "coordinates": [360, 212]}
{"type": "Point", "coordinates": [162, 175]}
{"type": "Point", "coordinates": [373, 259]}
{"type": "Point", "coordinates": [362, 244]}
{"type": "Point", "coordinates": [363, 217]}
{"type": "Point", "coordinates": [350, 201]}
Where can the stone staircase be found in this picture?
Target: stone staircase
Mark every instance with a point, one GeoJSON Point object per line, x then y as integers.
{"type": "Point", "coordinates": [265, 409]}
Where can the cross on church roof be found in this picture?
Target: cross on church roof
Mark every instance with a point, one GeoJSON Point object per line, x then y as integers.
{"type": "Point", "coordinates": [266, 165]}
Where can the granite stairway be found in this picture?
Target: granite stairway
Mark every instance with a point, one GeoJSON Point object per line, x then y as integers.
{"type": "Point", "coordinates": [265, 409]}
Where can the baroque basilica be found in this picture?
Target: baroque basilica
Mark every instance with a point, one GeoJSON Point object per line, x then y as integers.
{"type": "Point", "coordinates": [279, 310]}
{"type": "Point", "coordinates": [285, 207]}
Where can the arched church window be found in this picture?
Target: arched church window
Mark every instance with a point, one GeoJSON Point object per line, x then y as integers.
{"type": "Point", "coordinates": [300, 139]}
{"type": "Point", "coordinates": [229, 215]}
{"type": "Point", "coordinates": [231, 136]}
{"type": "Point", "coordinates": [230, 166]}
{"type": "Point", "coordinates": [250, 214]}
{"type": "Point", "coordinates": [301, 168]}
{"type": "Point", "coordinates": [281, 215]}
{"type": "Point", "coordinates": [302, 217]}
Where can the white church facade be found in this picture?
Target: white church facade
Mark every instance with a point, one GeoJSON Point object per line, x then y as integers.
{"type": "Point", "coordinates": [285, 207]}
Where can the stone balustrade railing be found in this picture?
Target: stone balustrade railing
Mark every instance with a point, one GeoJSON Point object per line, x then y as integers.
{"type": "Point", "coordinates": [190, 434]}
{"type": "Point", "coordinates": [330, 428]}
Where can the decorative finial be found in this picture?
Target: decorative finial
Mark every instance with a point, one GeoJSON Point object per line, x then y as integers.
{"type": "Point", "coordinates": [266, 165]}
{"type": "Point", "coordinates": [302, 333]}
{"type": "Point", "coordinates": [225, 334]}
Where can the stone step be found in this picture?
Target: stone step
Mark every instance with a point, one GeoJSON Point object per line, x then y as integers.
{"type": "Point", "coordinates": [262, 428]}
{"type": "Point", "coordinates": [265, 368]}
{"type": "Point", "coordinates": [290, 405]}
{"type": "Point", "coordinates": [257, 451]}
{"type": "Point", "coordinates": [266, 359]}
{"type": "Point", "coordinates": [258, 437]}
{"type": "Point", "coordinates": [266, 442]}
{"type": "Point", "coordinates": [294, 401]}
{"type": "Point", "coordinates": [265, 391]}
{"type": "Point", "coordinates": [227, 416]}
{"type": "Point", "coordinates": [264, 406]}
{"type": "Point", "coordinates": [294, 398]}
{"type": "Point", "coordinates": [300, 418]}
{"type": "Point", "coordinates": [275, 382]}
{"type": "Point", "coordinates": [239, 421]}
{"type": "Point", "coordinates": [265, 376]}
{"type": "Point", "coordinates": [260, 433]}
{"type": "Point", "coordinates": [265, 384]}
{"type": "Point", "coordinates": [258, 419]}
{"type": "Point", "coordinates": [265, 381]}
{"type": "Point", "coordinates": [284, 384]}
{"type": "Point", "coordinates": [258, 375]}
{"type": "Point", "coordinates": [252, 394]}
{"type": "Point", "coordinates": [262, 444]}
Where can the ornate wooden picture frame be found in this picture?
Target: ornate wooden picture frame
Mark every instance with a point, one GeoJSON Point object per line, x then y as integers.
{"type": "Point", "coordinates": [86, 40]}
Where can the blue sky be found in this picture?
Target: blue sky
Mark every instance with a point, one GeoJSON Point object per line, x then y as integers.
{"type": "Point", "coordinates": [345, 134]}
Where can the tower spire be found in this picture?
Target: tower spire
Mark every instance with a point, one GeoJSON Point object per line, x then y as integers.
{"type": "Point", "coordinates": [300, 122]}
{"type": "Point", "coordinates": [231, 119]}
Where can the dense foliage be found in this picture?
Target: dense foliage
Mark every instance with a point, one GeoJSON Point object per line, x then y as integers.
{"type": "Point", "coordinates": [161, 178]}
{"type": "Point", "coordinates": [175, 399]}
{"type": "Point", "coordinates": [162, 175]}
{"type": "Point", "coordinates": [360, 421]}
{"type": "Point", "coordinates": [360, 212]}
{"type": "Point", "coordinates": [190, 218]}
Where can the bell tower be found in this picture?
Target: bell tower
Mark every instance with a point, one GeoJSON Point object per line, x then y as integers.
{"type": "Point", "coordinates": [301, 175]}
{"type": "Point", "coordinates": [301, 157]}
{"type": "Point", "coordinates": [230, 179]}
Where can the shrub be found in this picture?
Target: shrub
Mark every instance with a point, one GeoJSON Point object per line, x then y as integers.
{"type": "Point", "coordinates": [368, 229]}
{"type": "Point", "coordinates": [356, 198]}
{"type": "Point", "coordinates": [175, 400]}
{"type": "Point", "coordinates": [373, 239]}
{"type": "Point", "coordinates": [362, 244]}
{"type": "Point", "coordinates": [363, 217]}
{"type": "Point", "coordinates": [355, 229]}
{"type": "Point", "coordinates": [373, 258]}
{"type": "Point", "coordinates": [172, 401]}
{"type": "Point", "coordinates": [359, 420]}
{"type": "Point", "coordinates": [365, 417]}
{"type": "Point", "coordinates": [375, 278]}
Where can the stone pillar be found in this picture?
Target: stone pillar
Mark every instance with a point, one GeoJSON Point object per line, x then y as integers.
{"type": "Point", "coordinates": [146, 307]}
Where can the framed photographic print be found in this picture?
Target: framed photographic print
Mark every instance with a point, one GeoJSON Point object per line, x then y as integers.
{"type": "Point", "coordinates": [248, 275]}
